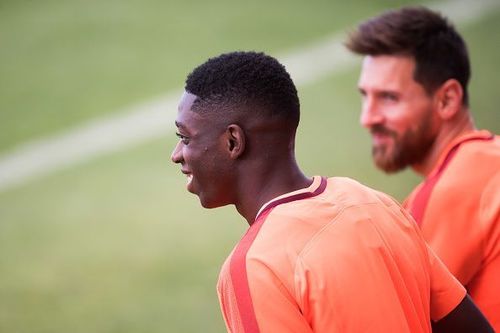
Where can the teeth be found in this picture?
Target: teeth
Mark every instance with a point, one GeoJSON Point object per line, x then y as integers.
{"type": "Point", "coordinates": [189, 178]}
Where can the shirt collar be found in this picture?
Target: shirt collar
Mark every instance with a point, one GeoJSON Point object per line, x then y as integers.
{"type": "Point", "coordinates": [317, 186]}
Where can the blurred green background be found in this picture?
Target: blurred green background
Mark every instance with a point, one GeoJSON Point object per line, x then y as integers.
{"type": "Point", "coordinates": [116, 244]}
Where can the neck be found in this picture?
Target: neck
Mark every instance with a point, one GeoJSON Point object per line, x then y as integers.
{"type": "Point", "coordinates": [449, 131]}
{"type": "Point", "coordinates": [278, 176]}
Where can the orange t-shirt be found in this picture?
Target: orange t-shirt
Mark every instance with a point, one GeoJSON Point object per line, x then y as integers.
{"type": "Point", "coordinates": [334, 257]}
{"type": "Point", "coordinates": [458, 209]}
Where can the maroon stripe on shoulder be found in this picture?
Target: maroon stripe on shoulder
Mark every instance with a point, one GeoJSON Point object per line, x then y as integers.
{"type": "Point", "coordinates": [321, 188]}
{"type": "Point", "coordinates": [238, 263]}
{"type": "Point", "coordinates": [421, 200]}
{"type": "Point", "coordinates": [238, 269]}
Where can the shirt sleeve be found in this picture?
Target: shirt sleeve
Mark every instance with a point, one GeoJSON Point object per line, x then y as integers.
{"type": "Point", "coordinates": [446, 290]}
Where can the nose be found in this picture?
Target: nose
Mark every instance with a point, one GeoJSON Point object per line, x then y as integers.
{"type": "Point", "coordinates": [176, 156]}
{"type": "Point", "coordinates": [370, 113]}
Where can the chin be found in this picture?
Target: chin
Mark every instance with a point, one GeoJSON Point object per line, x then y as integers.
{"type": "Point", "coordinates": [388, 165]}
{"type": "Point", "coordinates": [211, 204]}
{"type": "Point", "coordinates": [207, 205]}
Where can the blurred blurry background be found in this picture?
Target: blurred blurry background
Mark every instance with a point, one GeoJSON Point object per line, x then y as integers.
{"type": "Point", "coordinates": [113, 242]}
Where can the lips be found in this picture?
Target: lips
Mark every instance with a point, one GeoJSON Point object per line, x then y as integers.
{"type": "Point", "coordinates": [380, 138]}
{"type": "Point", "coordinates": [189, 176]}
{"type": "Point", "coordinates": [381, 135]}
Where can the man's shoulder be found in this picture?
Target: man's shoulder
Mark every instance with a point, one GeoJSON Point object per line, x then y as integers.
{"type": "Point", "coordinates": [475, 163]}
{"type": "Point", "coordinates": [464, 184]}
{"type": "Point", "coordinates": [344, 200]}
{"type": "Point", "coordinates": [469, 160]}
{"type": "Point", "coordinates": [348, 192]}
{"type": "Point", "coordinates": [486, 149]}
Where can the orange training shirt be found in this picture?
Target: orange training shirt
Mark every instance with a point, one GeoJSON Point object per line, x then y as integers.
{"type": "Point", "coordinates": [458, 209]}
{"type": "Point", "coordinates": [334, 257]}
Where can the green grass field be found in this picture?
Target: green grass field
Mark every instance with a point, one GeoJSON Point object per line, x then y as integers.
{"type": "Point", "coordinates": [116, 244]}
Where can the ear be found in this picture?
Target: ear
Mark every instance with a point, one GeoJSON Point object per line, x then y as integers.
{"type": "Point", "coordinates": [449, 98]}
{"type": "Point", "coordinates": [235, 141]}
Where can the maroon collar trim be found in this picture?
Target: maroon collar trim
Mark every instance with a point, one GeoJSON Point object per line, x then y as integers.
{"type": "Point", "coordinates": [299, 196]}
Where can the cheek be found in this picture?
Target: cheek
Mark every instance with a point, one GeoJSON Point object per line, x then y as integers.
{"type": "Point", "coordinates": [400, 119]}
{"type": "Point", "coordinates": [193, 159]}
{"type": "Point", "coordinates": [202, 161]}
{"type": "Point", "coordinates": [422, 119]}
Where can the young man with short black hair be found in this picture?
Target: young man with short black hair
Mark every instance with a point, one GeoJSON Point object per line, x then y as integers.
{"type": "Point", "coordinates": [321, 254]}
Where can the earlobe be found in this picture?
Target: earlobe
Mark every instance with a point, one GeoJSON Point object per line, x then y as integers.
{"type": "Point", "coordinates": [236, 141]}
{"type": "Point", "coordinates": [450, 96]}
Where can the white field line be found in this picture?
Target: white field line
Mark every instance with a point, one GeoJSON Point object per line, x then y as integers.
{"type": "Point", "coordinates": [155, 119]}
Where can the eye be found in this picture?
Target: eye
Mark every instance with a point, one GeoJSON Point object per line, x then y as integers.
{"type": "Point", "coordinates": [363, 97]}
{"type": "Point", "coordinates": [184, 139]}
{"type": "Point", "coordinates": [388, 96]}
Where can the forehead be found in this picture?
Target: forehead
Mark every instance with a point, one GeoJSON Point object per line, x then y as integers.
{"type": "Point", "coordinates": [186, 102]}
{"type": "Point", "coordinates": [186, 118]}
{"type": "Point", "coordinates": [194, 122]}
{"type": "Point", "coordinates": [387, 71]}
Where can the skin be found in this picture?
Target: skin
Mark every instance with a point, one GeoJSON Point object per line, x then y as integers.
{"type": "Point", "coordinates": [231, 158]}
{"type": "Point", "coordinates": [409, 126]}
{"type": "Point", "coordinates": [199, 151]}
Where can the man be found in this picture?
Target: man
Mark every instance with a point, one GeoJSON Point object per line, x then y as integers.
{"type": "Point", "coordinates": [320, 255]}
{"type": "Point", "coordinates": [415, 104]}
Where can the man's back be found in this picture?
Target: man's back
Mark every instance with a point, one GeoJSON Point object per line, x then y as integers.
{"type": "Point", "coordinates": [336, 256]}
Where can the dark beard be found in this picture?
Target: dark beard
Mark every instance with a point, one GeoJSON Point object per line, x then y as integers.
{"type": "Point", "coordinates": [411, 148]}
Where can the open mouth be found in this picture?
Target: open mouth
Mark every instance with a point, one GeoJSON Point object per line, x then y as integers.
{"type": "Point", "coordinates": [381, 138]}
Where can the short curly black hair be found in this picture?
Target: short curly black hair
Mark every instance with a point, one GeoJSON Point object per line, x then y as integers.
{"type": "Point", "coordinates": [252, 81]}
